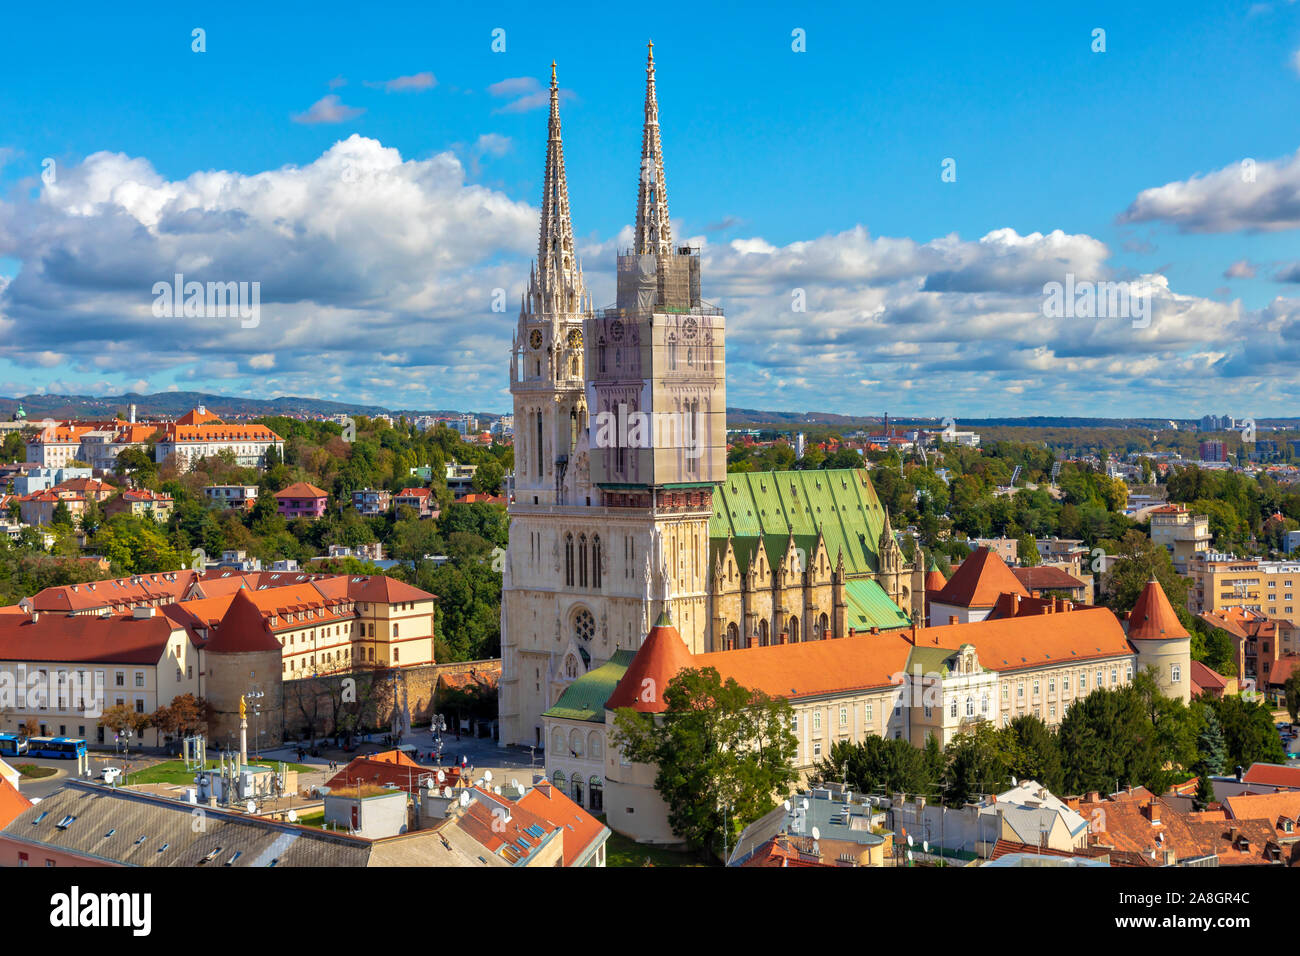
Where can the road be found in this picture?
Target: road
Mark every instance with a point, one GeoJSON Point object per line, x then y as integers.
{"type": "Point", "coordinates": [44, 786]}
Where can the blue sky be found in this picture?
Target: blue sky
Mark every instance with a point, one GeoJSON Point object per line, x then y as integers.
{"type": "Point", "coordinates": [816, 170]}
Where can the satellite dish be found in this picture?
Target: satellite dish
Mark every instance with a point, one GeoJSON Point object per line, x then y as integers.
{"type": "Point", "coordinates": [805, 803]}
{"type": "Point", "coordinates": [925, 845]}
{"type": "Point", "coordinates": [514, 784]}
{"type": "Point", "coordinates": [441, 776]}
{"type": "Point", "coordinates": [787, 806]}
{"type": "Point", "coordinates": [909, 841]}
{"type": "Point", "coordinates": [464, 798]}
{"type": "Point", "coordinates": [1014, 782]}
{"type": "Point", "coordinates": [251, 806]}
{"type": "Point", "coordinates": [497, 790]}
{"type": "Point", "coordinates": [909, 856]}
{"type": "Point", "coordinates": [487, 775]}
{"type": "Point", "coordinates": [293, 816]}
{"type": "Point", "coordinates": [816, 834]}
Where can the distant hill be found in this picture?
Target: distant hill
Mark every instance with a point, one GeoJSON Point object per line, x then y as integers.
{"type": "Point", "coordinates": [173, 404]}
{"type": "Point", "coordinates": [739, 417]}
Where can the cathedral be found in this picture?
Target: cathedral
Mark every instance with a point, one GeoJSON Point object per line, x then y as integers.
{"type": "Point", "coordinates": [621, 509]}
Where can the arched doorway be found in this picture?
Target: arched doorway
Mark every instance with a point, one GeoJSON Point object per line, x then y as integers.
{"type": "Point", "coordinates": [794, 629]}
{"type": "Point", "coordinates": [733, 637]}
{"type": "Point", "coordinates": [762, 633]}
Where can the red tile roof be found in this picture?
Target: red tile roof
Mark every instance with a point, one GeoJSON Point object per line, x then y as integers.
{"type": "Point", "coordinates": [1273, 775]}
{"type": "Point", "coordinates": [84, 638]}
{"type": "Point", "coordinates": [1273, 807]}
{"type": "Point", "coordinates": [1153, 617]}
{"type": "Point", "coordinates": [1205, 679]}
{"type": "Point", "coordinates": [196, 417]}
{"type": "Point", "coordinates": [390, 766]}
{"type": "Point", "coordinates": [504, 833]}
{"type": "Point", "coordinates": [242, 629]}
{"type": "Point", "coordinates": [979, 581]}
{"type": "Point", "coordinates": [550, 803]}
{"type": "Point", "coordinates": [661, 656]}
{"type": "Point", "coordinates": [1282, 669]}
{"type": "Point", "coordinates": [1046, 579]}
{"type": "Point", "coordinates": [1007, 644]}
{"type": "Point", "coordinates": [12, 803]}
{"type": "Point", "coordinates": [380, 589]}
{"type": "Point", "coordinates": [301, 489]}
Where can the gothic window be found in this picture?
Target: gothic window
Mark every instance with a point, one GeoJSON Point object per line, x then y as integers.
{"type": "Point", "coordinates": [584, 625]}
{"type": "Point", "coordinates": [570, 667]}
{"type": "Point", "coordinates": [582, 561]}
{"type": "Point", "coordinates": [595, 561]}
{"type": "Point", "coordinates": [794, 629]}
{"type": "Point", "coordinates": [672, 351]}
{"type": "Point", "coordinates": [573, 419]}
{"type": "Point", "coordinates": [823, 626]}
{"type": "Point", "coordinates": [539, 443]}
{"type": "Point", "coordinates": [568, 560]}
{"type": "Point", "coordinates": [733, 637]}
{"type": "Point", "coordinates": [762, 633]}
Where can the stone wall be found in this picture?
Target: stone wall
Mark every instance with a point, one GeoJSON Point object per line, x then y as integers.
{"type": "Point", "coordinates": [374, 694]}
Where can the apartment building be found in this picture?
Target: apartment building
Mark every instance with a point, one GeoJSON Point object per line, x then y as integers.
{"type": "Point", "coordinates": [1180, 532]}
{"type": "Point", "coordinates": [372, 502]}
{"type": "Point", "coordinates": [1222, 581]}
{"type": "Point", "coordinates": [242, 497]}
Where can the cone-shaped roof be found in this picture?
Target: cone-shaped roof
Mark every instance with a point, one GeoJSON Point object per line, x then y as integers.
{"type": "Point", "coordinates": [1153, 617]}
{"type": "Point", "coordinates": [934, 579]}
{"type": "Point", "coordinates": [979, 582]}
{"type": "Point", "coordinates": [242, 629]}
{"type": "Point", "coordinates": [662, 656]}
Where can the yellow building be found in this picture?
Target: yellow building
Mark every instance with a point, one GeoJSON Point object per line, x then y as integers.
{"type": "Point", "coordinates": [1222, 581]}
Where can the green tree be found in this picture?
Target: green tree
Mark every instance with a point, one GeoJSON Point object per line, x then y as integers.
{"type": "Point", "coordinates": [1107, 740]}
{"type": "Point", "coordinates": [1137, 560]}
{"type": "Point", "coordinates": [879, 765]}
{"type": "Point", "coordinates": [724, 754]}
{"type": "Point", "coordinates": [1211, 748]}
{"type": "Point", "coordinates": [1292, 694]}
{"type": "Point", "coordinates": [1248, 731]}
{"type": "Point", "coordinates": [1037, 752]}
{"type": "Point", "coordinates": [979, 762]}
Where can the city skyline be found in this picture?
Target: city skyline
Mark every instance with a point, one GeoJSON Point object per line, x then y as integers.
{"type": "Point", "coordinates": [386, 199]}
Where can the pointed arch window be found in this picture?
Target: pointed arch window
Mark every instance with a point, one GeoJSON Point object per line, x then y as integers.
{"type": "Point", "coordinates": [595, 561]}
{"type": "Point", "coordinates": [582, 561]}
{"type": "Point", "coordinates": [568, 560]}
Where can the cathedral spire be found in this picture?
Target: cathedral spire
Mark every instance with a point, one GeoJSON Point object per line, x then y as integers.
{"type": "Point", "coordinates": [653, 231]}
{"type": "Point", "coordinates": [559, 278]}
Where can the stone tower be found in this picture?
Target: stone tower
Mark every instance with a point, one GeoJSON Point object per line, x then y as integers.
{"type": "Point", "coordinates": [243, 657]}
{"type": "Point", "coordinates": [1162, 643]}
{"type": "Point", "coordinates": [609, 520]}
{"type": "Point", "coordinates": [546, 369]}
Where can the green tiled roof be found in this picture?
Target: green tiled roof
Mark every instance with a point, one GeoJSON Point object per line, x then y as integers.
{"type": "Point", "coordinates": [585, 698]}
{"type": "Point", "coordinates": [929, 660]}
{"type": "Point", "coordinates": [763, 508]}
{"type": "Point", "coordinates": [869, 606]}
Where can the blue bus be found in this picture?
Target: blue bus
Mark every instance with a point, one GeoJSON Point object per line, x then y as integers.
{"type": "Point", "coordinates": [68, 748]}
{"type": "Point", "coordinates": [12, 745]}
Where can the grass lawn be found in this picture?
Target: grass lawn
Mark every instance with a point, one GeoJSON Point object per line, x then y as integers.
{"type": "Point", "coordinates": [30, 771]}
{"type": "Point", "coordinates": [622, 851]}
{"type": "Point", "coordinates": [174, 772]}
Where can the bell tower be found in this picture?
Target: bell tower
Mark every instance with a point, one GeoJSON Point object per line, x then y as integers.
{"type": "Point", "coordinates": [547, 367]}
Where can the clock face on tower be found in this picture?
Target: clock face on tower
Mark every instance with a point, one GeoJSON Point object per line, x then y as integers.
{"type": "Point", "coordinates": [616, 330]}
{"type": "Point", "coordinates": [535, 339]}
{"type": "Point", "coordinates": [690, 327]}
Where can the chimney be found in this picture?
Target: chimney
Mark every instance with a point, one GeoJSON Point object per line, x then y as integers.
{"type": "Point", "coordinates": [1035, 594]}
{"type": "Point", "coordinates": [875, 629]}
{"type": "Point", "coordinates": [1015, 604]}
{"type": "Point", "coordinates": [952, 619]}
{"type": "Point", "coordinates": [1094, 796]}
{"type": "Point", "coordinates": [1232, 833]}
{"type": "Point", "coordinates": [1152, 811]}
{"type": "Point", "coordinates": [143, 612]}
{"type": "Point", "coordinates": [1240, 771]}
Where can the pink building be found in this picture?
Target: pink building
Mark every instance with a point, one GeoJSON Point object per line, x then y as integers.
{"type": "Point", "coordinates": [302, 500]}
